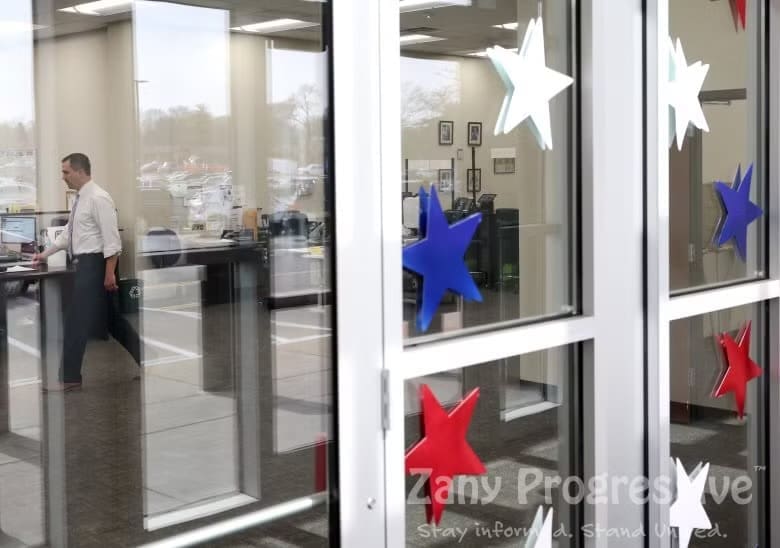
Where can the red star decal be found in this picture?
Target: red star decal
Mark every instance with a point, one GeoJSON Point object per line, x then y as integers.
{"type": "Point", "coordinates": [740, 368]}
{"type": "Point", "coordinates": [443, 452]}
{"type": "Point", "coordinates": [739, 11]}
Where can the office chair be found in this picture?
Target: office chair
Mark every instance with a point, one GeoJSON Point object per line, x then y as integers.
{"type": "Point", "coordinates": [165, 243]}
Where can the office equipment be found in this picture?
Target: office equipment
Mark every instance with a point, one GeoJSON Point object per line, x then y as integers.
{"type": "Point", "coordinates": [463, 204]}
{"type": "Point", "coordinates": [506, 248]}
{"type": "Point", "coordinates": [17, 230]}
{"type": "Point", "coordinates": [163, 246]}
{"type": "Point", "coordinates": [485, 203]}
{"type": "Point", "coordinates": [461, 208]}
{"type": "Point", "coordinates": [288, 223]}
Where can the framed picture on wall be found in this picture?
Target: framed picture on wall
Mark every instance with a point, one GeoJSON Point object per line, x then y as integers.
{"type": "Point", "coordinates": [503, 165]}
{"type": "Point", "coordinates": [475, 134]}
{"type": "Point", "coordinates": [445, 180]}
{"type": "Point", "coordinates": [446, 130]}
{"type": "Point", "coordinates": [70, 199]}
{"type": "Point", "coordinates": [474, 180]}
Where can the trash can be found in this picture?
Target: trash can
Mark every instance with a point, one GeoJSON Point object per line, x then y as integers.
{"type": "Point", "coordinates": [130, 294]}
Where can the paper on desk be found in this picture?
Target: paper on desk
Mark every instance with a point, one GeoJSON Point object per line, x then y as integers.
{"type": "Point", "coordinates": [18, 269]}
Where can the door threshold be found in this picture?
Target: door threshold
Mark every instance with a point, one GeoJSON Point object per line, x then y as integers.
{"type": "Point", "coordinates": [527, 410]}
{"type": "Point", "coordinates": [197, 511]}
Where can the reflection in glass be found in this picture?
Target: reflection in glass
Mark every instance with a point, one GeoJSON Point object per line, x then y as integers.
{"type": "Point", "coordinates": [520, 257]}
{"type": "Point", "coordinates": [17, 108]}
{"type": "Point", "coordinates": [524, 447]}
{"type": "Point", "coordinates": [22, 462]}
{"type": "Point", "coordinates": [190, 417]}
{"type": "Point", "coordinates": [232, 162]}
{"type": "Point", "coordinates": [209, 132]}
{"type": "Point", "coordinates": [707, 429]}
{"type": "Point", "coordinates": [730, 98]}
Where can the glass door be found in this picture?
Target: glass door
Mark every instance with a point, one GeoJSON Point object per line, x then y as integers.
{"type": "Point", "coordinates": [208, 398]}
{"type": "Point", "coordinates": [488, 252]}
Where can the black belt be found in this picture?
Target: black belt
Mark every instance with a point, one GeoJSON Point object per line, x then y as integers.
{"type": "Point", "coordinates": [86, 256]}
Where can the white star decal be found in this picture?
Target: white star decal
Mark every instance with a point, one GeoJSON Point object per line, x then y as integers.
{"type": "Point", "coordinates": [530, 85]}
{"type": "Point", "coordinates": [687, 512]}
{"type": "Point", "coordinates": [540, 535]}
{"type": "Point", "coordinates": [685, 83]}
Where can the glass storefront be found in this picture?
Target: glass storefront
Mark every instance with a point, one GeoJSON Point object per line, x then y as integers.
{"type": "Point", "coordinates": [207, 124]}
{"type": "Point", "coordinates": [571, 339]}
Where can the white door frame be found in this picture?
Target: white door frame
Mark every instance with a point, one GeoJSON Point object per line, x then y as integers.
{"type": "Point", "coordinates": [623, 328]}
{"type": "Point", "coordinates": [663, 309]}
{"type": "Point", "coordinates": [358, 276]}
{"type": "Point", "coordinates": [611, 327]}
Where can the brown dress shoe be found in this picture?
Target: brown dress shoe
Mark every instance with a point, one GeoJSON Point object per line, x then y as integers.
{"type": "Point", "coordinates": [63, 387]}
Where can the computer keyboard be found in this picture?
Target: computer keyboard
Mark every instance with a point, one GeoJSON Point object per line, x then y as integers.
{"type": "Point", "coordinates": [10, 258]}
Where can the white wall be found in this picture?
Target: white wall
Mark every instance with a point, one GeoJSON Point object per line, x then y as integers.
{"type": "Point", "coordinates": [72, 110]}
{"type": "Point", "coordinates": [84, 103]}
{"type": "Point", "coordinates": [121, 137]}
{"type": "Point", "coordinates": [707, 32]}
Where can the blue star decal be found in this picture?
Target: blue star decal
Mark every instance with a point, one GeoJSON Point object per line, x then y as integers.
{"type": "Point", "coordinates": [738, 211]}
{"type": "Point", "coordinates": [438, 257]}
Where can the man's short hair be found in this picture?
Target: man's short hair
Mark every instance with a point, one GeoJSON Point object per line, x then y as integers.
{"type": "Point", "coordinates": [79, 161]}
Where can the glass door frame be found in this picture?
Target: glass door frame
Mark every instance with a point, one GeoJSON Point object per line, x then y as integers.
{"type": "Point", "coordinates": [662, 308]}
{"type": "Point", "coordinates": [356, 92]}
{"type": "Point", "coordinates": [610, 330]}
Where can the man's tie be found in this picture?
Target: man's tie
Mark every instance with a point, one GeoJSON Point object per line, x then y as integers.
{"type": "Point", "coordinates": [70, 226]}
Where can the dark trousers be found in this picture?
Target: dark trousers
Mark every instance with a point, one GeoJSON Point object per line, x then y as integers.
{"type": "Point", "coordinates": [91, 309]}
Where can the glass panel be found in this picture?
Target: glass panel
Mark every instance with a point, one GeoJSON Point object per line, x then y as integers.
{"type": "Point", "coordinates": [704, 242]}
{"type": "Point", "coordinates": [523, 429]}
{"type": "Point", "coordinates": [206, 385]}
{"type": "Point", "coordinates": [706, 427]}
{"type": "Point", "coordinates": [22, 493]}
{"type": "Point", "coordinates": [486, 154]}
{"type": "Point", "coordinates": [191, 442]}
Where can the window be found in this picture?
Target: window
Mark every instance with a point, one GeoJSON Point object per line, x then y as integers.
{"type": "Point", "coordinates": [528, 450]}
{"type": "Point", "coordinates": [207, 124]}
{"type": "Point", "coordinates": [714, 357]}
{"type": "Point", "coordinates": [718, 152]}
{"type": "Point", "coordinates": [508, 178]}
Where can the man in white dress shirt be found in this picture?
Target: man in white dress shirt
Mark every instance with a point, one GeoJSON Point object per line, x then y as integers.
{"type": "Point", "coordinates": [91, 239]}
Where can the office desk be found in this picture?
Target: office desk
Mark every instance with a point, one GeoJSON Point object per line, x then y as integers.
{"type": "Point", "coordinates": [50, 280]}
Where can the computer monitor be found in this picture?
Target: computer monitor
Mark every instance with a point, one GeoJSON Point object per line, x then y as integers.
{"type": "Point", "coordinates": [463, 204]}
{"type": "Point", "coordinates": [17, 230]}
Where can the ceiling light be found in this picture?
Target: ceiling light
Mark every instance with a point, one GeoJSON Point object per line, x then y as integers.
{"type": "Point", "coordinates": [419, 39]}
{"type": "Point", "coordinates": [276, 25]}
{"type": "Point", "coordinates": [13, 27]}
{"type": "Point", "coordinates": [483, 53]}
{"type": "Point", "coordinates": [507, 26]}
{"type": "Point", "coordinates": [417, 5]}
{"type": "Point", "coordinates": [101, 7]}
